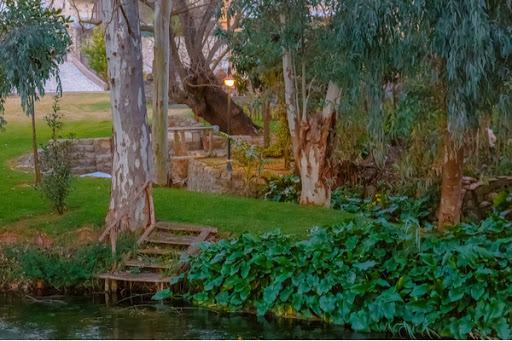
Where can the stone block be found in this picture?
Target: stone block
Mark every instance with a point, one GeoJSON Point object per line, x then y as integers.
{"type": "Point", "coordinates": [84, 148]}
{"type": "Point", "coordinates": [485, 204]}
{"type": "Point", "coordinates": [104, 144]}
{"type": "Point", "coordinates": [474, 186]}
{"type": "Point", "coordinates": [103, 158]}
{"type": "Point", "coordinates": [225, 175]}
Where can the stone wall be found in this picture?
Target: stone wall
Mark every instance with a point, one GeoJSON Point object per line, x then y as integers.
{"type": "Point", "coordinates": [91, 155]}
{"type": "Point", "coordinates": [203, 177]}
{"type": "Point", "coordinates": [478, 196]}
{"type": "Point", "coordinates": [87, 156]}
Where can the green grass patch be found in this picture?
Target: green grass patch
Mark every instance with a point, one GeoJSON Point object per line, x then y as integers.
{"type": "Point", "coordinates": [23, 209]}
{"type": "Point", "coordinates": [98, 106]}
{"type": "Point", "coordinates": [235, 214]}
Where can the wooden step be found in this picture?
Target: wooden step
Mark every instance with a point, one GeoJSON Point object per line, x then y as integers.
{"type": "Point", "coordinates": [147, 277]}
{"type": "Point", "coordinates": [184, 227]}
{"type": "Point", "coordinates": [161, 252]}
{"type": "Point", "coordinates": [141, 264]}
{"type": "Point", "coordinates": [169, 238]}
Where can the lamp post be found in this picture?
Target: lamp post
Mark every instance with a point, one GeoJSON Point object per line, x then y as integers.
{"type": "Point", "coordinates": [229, 81]}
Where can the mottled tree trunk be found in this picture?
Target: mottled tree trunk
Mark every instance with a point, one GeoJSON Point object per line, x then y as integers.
{"type": "Point", "coordinates": [131, 204]}
{"type": "Point", "coordinates": [310, 137]}
{"type": "Point", "coordinates": [159, 138]}
{"type": "Point", "coordinates": [451, 187]}
{"type": "Point", "coordinates": [316, 134]}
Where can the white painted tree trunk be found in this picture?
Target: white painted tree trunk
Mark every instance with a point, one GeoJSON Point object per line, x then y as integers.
{"type": "Point", "coordinates": [131, 203]}
{"type": "Point", "coordinates": [159, 138]}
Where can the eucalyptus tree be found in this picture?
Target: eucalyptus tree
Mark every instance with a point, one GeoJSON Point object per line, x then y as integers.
{"type": "Point", "coordinates": [463, 46]}
{"type": "Point", "coordinates": [131, 203]}
{"type": "Point", "coordinates": [290, 32]}
{"type": "Point", "coordinates": [33, 42]}
{"type": "Point", "coordinates": [468, 49]}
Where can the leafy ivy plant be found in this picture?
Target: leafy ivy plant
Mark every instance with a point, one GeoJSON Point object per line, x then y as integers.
{"type": "Point", "coordinates": [368, 274]}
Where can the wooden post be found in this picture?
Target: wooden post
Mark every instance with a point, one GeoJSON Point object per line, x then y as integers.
{"type": "Point", "coordinates": [205, 142]}
{"type": "Point", "coordinates": [183, 142]}
{"type": "Point", "coordinates": [210, 142]}
{"type": "Point", "coordinates": [107, 285]}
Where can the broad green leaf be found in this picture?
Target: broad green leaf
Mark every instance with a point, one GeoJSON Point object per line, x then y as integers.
{"type": "Point", "coordinates": [162, 294]}
{"type": "Point", "coordinates": [419, 290]}
{"type": "Point", "coordinates": [327, 302]}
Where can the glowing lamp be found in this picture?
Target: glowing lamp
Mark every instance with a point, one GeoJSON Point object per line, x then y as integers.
{"type": "Point", "coordinates": [229, 81]}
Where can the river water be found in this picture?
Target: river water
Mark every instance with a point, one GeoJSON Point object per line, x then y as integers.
{"type": "Point", "coordinates": [94, 317]}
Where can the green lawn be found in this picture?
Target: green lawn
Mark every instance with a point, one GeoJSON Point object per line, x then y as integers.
{"type": "Point", "coordinates": [23, 209]}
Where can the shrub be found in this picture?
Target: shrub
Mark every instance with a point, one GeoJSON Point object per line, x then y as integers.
{"type": "Point", "coordinates": [57, 178]}
{"type": "Point", "coordinates": [372, 276]}
{"type": "Point", "coordinates": [503, 202]}
{"type": "Point", "coordinates": [96, 52]}
{"type": "Point", "coordinates": [283, 189]}
{"type": "Point", "coordinates": [251, 158]}
{"type": "Point", "coordinates": [396, 209]}
{"type": "Point", "coordinates": [65, 268]}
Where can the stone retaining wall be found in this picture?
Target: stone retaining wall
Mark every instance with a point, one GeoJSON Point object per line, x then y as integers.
{"type": "Point", "coordinates": [215, 179]}
{"type": "Point", "coordinates": [91, 155]}
{"type": "Point", "coordinates": [478, 196]}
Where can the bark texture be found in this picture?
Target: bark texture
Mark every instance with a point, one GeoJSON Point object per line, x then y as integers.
{"type": "Point", "coordinates": [310, 136]}
{"type": "Point", "coordinates": [159, 137]}
{"type": "Point", "coordinates": [451, 187]}
{"type": "Point", "coordinates": [315, 136]}
{"type": "Point", "coordinates": [131, 204]}
{"type": "Point", "coordinates": [193, 82]}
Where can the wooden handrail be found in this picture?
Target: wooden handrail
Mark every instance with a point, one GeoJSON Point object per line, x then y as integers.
{"type": "Point", "coordinates": [214, 128]}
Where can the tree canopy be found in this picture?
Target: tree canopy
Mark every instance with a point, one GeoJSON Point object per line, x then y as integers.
{"type": "Point", "coordinates": [33, 42]}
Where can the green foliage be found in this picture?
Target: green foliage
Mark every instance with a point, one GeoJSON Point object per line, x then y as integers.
{"type": "Point", "coordinates": [33, 42]}
{"type": "Point", "coordinates": [282, 135]}
{"type": "Point", "coordinates": [503, 202]}
{"type": "Point", "coordinates": [283, 189]}
{"type": "Point", "coordinates": [57, 177]}
{"type": "Point", "coordinates": [96, 52]}
{"type": "Point", "coordinates": [61, 268]}
{"type": "Point", "coordinates": [250, 157]}
{"type": "Point", "coordinates": [370, 275]}
{"type": "Point", "coordinates": [54, 119]}
{"type": "Point", "coordinates": [381, 206]}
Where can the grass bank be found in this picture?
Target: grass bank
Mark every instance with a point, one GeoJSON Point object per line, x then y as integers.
{"type": "Point", "coordinates": [24, 211]}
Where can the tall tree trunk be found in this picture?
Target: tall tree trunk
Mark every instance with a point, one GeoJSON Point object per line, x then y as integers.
{"type": "Point", "coordinates": [199, 88]}
{"type": "Point", "coordinates": [131, 203]}
{"type": "Point", "coordinates": [315, 138]}
{"type": "Point", "coordinates": [37, 169]}
{"type": "Point", "coordinates": [451, 186]}
{"type": "Point", "coordinates": [266, 124]}
{"type": "Point", "coordinates": [310, 136]}
{"type": "Point", "coordinates": [159, 138]}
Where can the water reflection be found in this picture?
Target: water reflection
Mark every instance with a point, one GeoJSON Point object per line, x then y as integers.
{"type": "Point", "coordinates": [92, 318]}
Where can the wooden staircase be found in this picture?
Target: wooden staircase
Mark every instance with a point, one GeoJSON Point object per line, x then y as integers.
{"type": "Point", "coordinates": [158, 258]}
